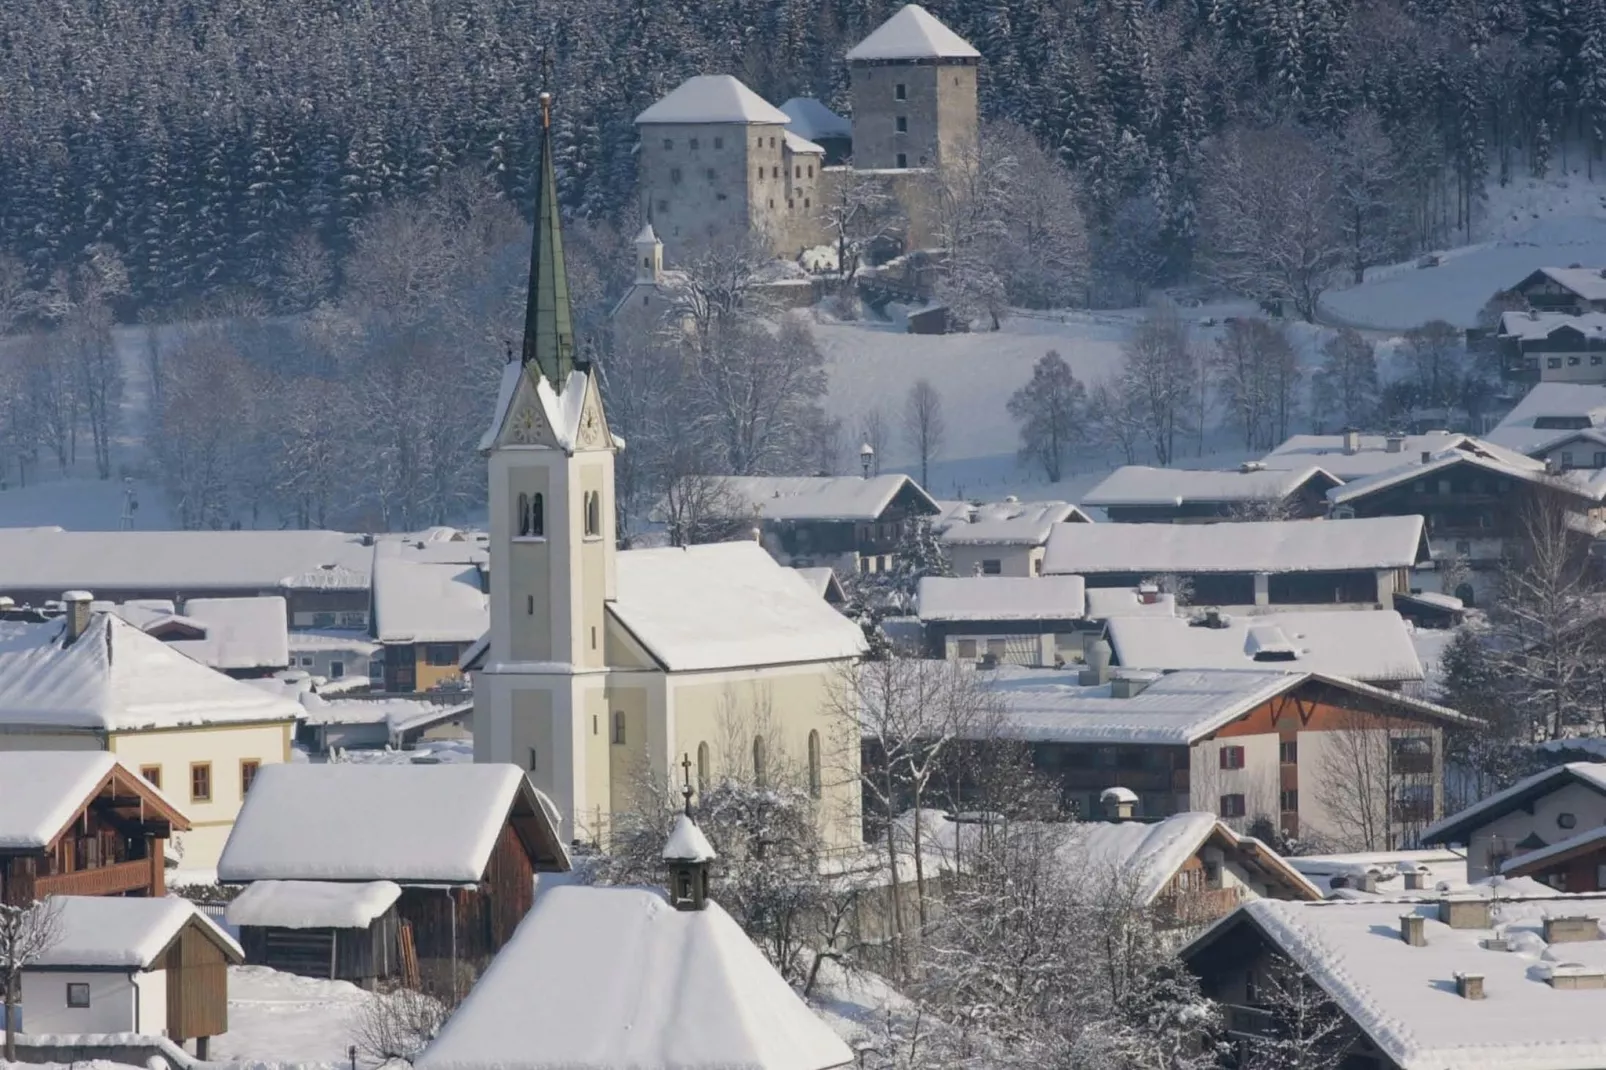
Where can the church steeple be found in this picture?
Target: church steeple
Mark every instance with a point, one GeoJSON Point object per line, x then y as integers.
{"type": "Point", "coordinates": [548, 322]}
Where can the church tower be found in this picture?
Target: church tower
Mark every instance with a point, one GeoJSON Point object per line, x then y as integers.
{"type": "Point", "coordinates": [539, 695]}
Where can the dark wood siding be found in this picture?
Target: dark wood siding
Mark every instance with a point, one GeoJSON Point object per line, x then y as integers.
{"type": "Point", "coordinates": [197, 986]}
{"type": "Point", "coordinates": [361, 956]}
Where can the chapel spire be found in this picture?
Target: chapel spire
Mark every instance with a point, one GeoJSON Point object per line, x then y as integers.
{"type": "Point", "coordinates": [548, 322]}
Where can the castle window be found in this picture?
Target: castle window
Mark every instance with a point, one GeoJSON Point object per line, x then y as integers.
{"type": "Point", "coordinates": [797, 171]}
{"type": "Point", "coordinates": [761, 174]}
{"type": "Point", "coordinates": [694, 143]}
{"type": "Point", "coordinates": [811, 170]}
{"type": "Point", "coordinates": [903, 160]}
{"type": "Point", "coordinates": [529, 605]}
{"type": "Point", "coordinates": [710, 174]}
{"type": "Point", "coordinates": [720, 197]}
{"type": "Point", "coordinates": [674, 174]}
{"type": "Point", "coordinates": [805, 202]}
{"type": "Point", "coordinates": [668, 144]}
{"type": "Point", "coordinates": [789, 204]}
{"type": "Point", "coordinates": [758, 143]}
{"type": "Point", "coordinates": [646, 261]}
{"type": "Point", "coordinates": [663, 206]}
{"type": "Point", "coordinates": [775, 172]}
{"type": "Point", "coordinates": [900, 91]}
{"type": "Point", "coordinates": [772, 202]}
{"type": "Point", "coordinates": [903, 124]}
{"type": "Point", "coordinates": [719, 143]}
{"type": "Point", "coordinates": [646, 299]}
{"type": "Point", "coordinates": [619, 727]}
{"type": "Point", "coordinates": [772, 143]}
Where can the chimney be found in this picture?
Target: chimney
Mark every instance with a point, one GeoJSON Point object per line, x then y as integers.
{"type": "Point", "coordinates": [1573, 930]}
{"type": "Point", "coordinates": [1467, 913]}
{"type": "Point", "coordinates": [1120, 804]}
{"type": "Point", "coordinates": [1366, 882]}
{"type": "Point", "coordinates": [1098, 665]}
{"type": "Point", "coordinates": [1395, 443]}
{"type": "Point", "coordinates": [1415, 879]}
{"type": "Point", "coordinates": [1469, 985]}
{"type": "Point", "coordinates": [1252, 466]}
{"type": "Point", "coordinates": [1148, 593]}
{"type": "Point", "coordinates": [1127, 685]}
{"type": "Point", "coordinates": [1413, 930]}
{"type": "Point", "coordinates": [78, 603]}
{"type": "Point", "coordinates": [1352, 441]}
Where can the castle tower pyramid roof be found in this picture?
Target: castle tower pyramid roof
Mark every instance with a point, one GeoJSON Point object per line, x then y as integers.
{"type": "Point", "coordinates": [712, 98]}
{"type": "Point", "coordinates": [912, 34]}
{"type": "Point", "coordinates": [548, 321]}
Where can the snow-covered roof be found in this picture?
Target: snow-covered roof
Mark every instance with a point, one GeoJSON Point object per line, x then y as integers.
{"type": "Point", "coordinates": [821, 497]}
{"type": "Point", "coordinates": [308, 641]}
{"type": "Point", "coordinates": [1587, 282]}
{"type": "Point", "coordinates": [1136, 484]}
{"type": "Point", "coordinates": [105, 562]}
{"type": "Point", "coordinates": [813, 120]}
{"type": "Point", "coordinates": [1001, 598]}
{"type": "Point", "coordinates": [1370, 645]}
{"type": "Point", "coordinates": [312, 904]}
{"type": "Point", "coordinates": [687, 843]}
{"type": "Point", "coordinates": [1404, 997]}
{"type": "Point", "coordinates": [124, 932]}
{"type": "Point", "coordinates": [713, 98]}
{"type": "Point", "coordinates": [1106, 602]}
{"type": "Point", "coordinates": [1443, 869]}
{"type": "Point", "coordinates": [1455, 827]}
{"type": "Point", "coordinates": [1532, 326]}
{"type": "Point", "coordinates": [241, 633]}
{"type": "Point", "coordinates": [1526, 863]}
{"type": "Point", "coordinates": [646, 235]}
{"type": "Point", "coordinates": [912, 33]}
{"type": "Point", "coordinates": [46, 788]}
{"type": "Point", "coordinates": [345, 822]}
{"type": "Point", "coordinates": [1048, 705]}
{"type": "Point", "coordinates": [1008, 523]}
{"type": "Point", "coordinates": [1372, 454]}
{"type": "Point", "coordinates": [428, 602]}
{"type": "Point", "coordinates": [798, 145]}
{"type": "Point", "coordinates": [117, 678]}
{"type": "Point", "coordinates": [1257, 546]}
{"type": "Point", "coordinates": [1568, 403]}
{"type": "Point", "coordinates": [1151, 854]}
{"type": "Point", "coordinates": [1494, 459]}
{"type": "Point", "coordinates": [641, 985]}
{"type": "Point", "coordinates": [820, 578]}
{"type": "Point", "coordinates": [726, 605]}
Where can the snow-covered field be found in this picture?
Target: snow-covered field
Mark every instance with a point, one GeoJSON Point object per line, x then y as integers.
{"type": "Point", "coordinates": [284, 1020]}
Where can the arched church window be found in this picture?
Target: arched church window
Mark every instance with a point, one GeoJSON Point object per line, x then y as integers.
{"type": "Point", "coordinates": [761, 762]}
{"type": "Point", "coordinates": [702, 768]}
{"type": "Point", "coordinates": [593, 503]}
{"type": "Point", "coordinates": [619, 726]}
{"type": "Point", "coordinates": [814, 764]}
{"type": "Point", "coordinates": [522, 521]}
{"type": "Point", "coordinates": [538, 515]}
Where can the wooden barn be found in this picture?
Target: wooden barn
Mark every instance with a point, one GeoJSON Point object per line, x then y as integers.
{"type": "Point", "coordinates": [154, 965]}
{"type": "Point", "coordinates": [373, 872]}
{"type": "Point", "coordinates": [85, 825]}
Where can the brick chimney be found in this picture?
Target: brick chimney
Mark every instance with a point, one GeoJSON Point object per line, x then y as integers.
{"type": "Point", "coordinates": [78, 603]}
{"type": "Point", "coordinates": [1469, 985]}
{"type": "Point", "coordinates": [1352, 440]}
{"type": "Point", "coordinates": [1413, 930]}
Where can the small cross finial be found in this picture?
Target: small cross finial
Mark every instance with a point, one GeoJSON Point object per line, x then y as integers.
{"type": "Point", "coordinates": [685, 766]}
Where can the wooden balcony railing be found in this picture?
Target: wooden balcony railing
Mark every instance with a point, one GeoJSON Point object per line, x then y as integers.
{"type": "Point", "coordinates": [101, 880]}
{"type": "Point", "coordinates": [1199, 907]}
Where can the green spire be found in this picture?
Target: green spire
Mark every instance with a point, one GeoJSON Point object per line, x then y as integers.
{"type": "Point", "coordinates": [548, 323]}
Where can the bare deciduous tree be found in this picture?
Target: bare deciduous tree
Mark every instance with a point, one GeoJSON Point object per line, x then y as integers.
{"type": "Point", "coordinates": [924, 427]}
{"type": "Point", "coordinates": [1158, 376]}
{"type": "Point", "coordinates": [1050, 410]}
{"type": "Point", "coordinates": [1376, 782]}
{"type": "Point", "coordinates": [26, 934]}
{"type": "Point", "coordinates": [1255, 371]}
{"type": "Point", "coordinates": [1307, 1029]}
{"type": "Point", "coordinates": [1363, 181]}
{"type": "Point", "coordinates": [396, 1026]}
{"type": "Point", "coordinates": [1344, 387]}
{"type": "Point", "coordinates": [861, 214]}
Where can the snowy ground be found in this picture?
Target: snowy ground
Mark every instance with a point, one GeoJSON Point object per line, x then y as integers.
{"type": "Point", "coordinates": [282, 1020]}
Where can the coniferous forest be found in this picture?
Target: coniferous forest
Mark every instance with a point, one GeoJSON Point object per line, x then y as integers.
{"type": "Point", "coordinates": [202, 138]}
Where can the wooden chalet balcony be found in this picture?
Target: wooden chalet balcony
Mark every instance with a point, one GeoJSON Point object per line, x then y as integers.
{"type": "Point", "coordinates": [1198, 907]}
{"type": "Point", "coordinates": [101, 880]}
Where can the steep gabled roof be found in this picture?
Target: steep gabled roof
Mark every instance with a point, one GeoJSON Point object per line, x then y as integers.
{"type": "Point", "coordinates": [913, 33]}
{"type": "Point", "coordinates": [1582, 404]}
{"type": "Point", "coordinates": [822, 497]}
{"type": "Point", "coordinates": [1371, 645]}
{"type": "Point", "coordinates": [712, 98]}
{"type": "Point", "coordinates": [45, 790]}
{"type": "Point", "coordinates": [605, 978]}
{"type": "Point", "coordinates": [1497, 460]}
{"type": "Point", "coordinates": [1522, 793]}
{"type": "Point", "coordinates": [813, 120]}
{"type": "Point", "coordinates": [1588, 283]}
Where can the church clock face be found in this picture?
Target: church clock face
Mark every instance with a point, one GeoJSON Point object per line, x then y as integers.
{"type": "Point", "coordinates": [589, 430]}
{"type": "Point", "coordinates": [526, 426]}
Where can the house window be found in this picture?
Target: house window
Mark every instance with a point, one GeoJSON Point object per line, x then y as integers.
{"type": "Point", "coordinates": [152, 775]}
{"type": "Point", "coordinates": [440, 655]}
{"type": "Point", "coordinates": [995, 649]}
{"type": "Point", "coordinates": [200, 782]}
{"type": "Point", "coordinates": [77, 994]}
{"type": "Point", "coordinates": [1573, 362]}
{"type": "Point", "coordinates": [814, 764]}
{"type": "Point", "coordinates": [248, 774]}
{"type": "Point", "coordinates": [1600, 460]}
{"type": "Point", "coordinates": [1288, 802]}
{"type": "Point", "coordinates": [761, 762]}
{"type": "Point", "coordinates": [1463, 546]}
{"type": "Point", "coordinates": [719, 143]}
{"type": "Point", "coordinates": [903, 160]}
{"type": "Point", "coordinates": [593, 512]}
{"type": "Point", "coordinates": [967, 649]}
{"type": "Point", "coordinates": [1232, 806]}
{"type": "Point", "coordinates": [903, 124]}
{"type": "Point", "coordinates": [694, 143]}
{"type": "Point", "coordinates": [1411, 754]}
{"type": "Point", "coordinates": [674, 174]}
{"type": "Point", "coordinates": [900, 92]}
{"type": "Point", "coordinates": [337, 669]}
{"type": "Point", "coordinates": [1553, 362]}
{"type": "Point", "coordinates": [1232, 757]}
{"type": "Point", "coordinates": [619, 727]}
{"type": "Point", "coordinates": [1566, 459]}
{"type": "Point", "coordinates": [1595, 359]}
{"type": "Point", "coordinates": [992, 567]}
{"type": "Point", "coordinates": [1288, 752]}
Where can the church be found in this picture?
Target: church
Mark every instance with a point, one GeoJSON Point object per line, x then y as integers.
{"type": "Point", "coordinates": [604, 669]}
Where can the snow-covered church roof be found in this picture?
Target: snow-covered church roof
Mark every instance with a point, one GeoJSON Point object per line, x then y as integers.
{"type": "Point", "coordinates": [114, 677]}
{"type": "Point", "coordinates": [616, 977]}
{"type": "Point", "coordinates": [713, 98]}
{"type": "Point", "coordinates": [912, 33]}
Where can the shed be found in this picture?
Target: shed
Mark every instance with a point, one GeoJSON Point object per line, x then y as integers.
{"type": "Point", "coordinates": [937, 319]}
{"type": "Point", "coordinates": [155, 966]}
{"type": "Point", "coordinates": [341, 931]}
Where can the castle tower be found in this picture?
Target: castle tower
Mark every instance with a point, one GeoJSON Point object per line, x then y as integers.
{"type": "Point", "coordinates": [712, 160]}
{"type": "Point", "coordinates": [914, 94]}
{"type": "Point", "coordinates": [539, 699]}
{"type": "Point", "coordinates": [649, 257]}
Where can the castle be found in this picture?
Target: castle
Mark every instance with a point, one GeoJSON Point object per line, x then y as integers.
{"type": "Point", "coordinates": [716, 157]}
{"type": "Point", "coordinates": [604, 671]}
